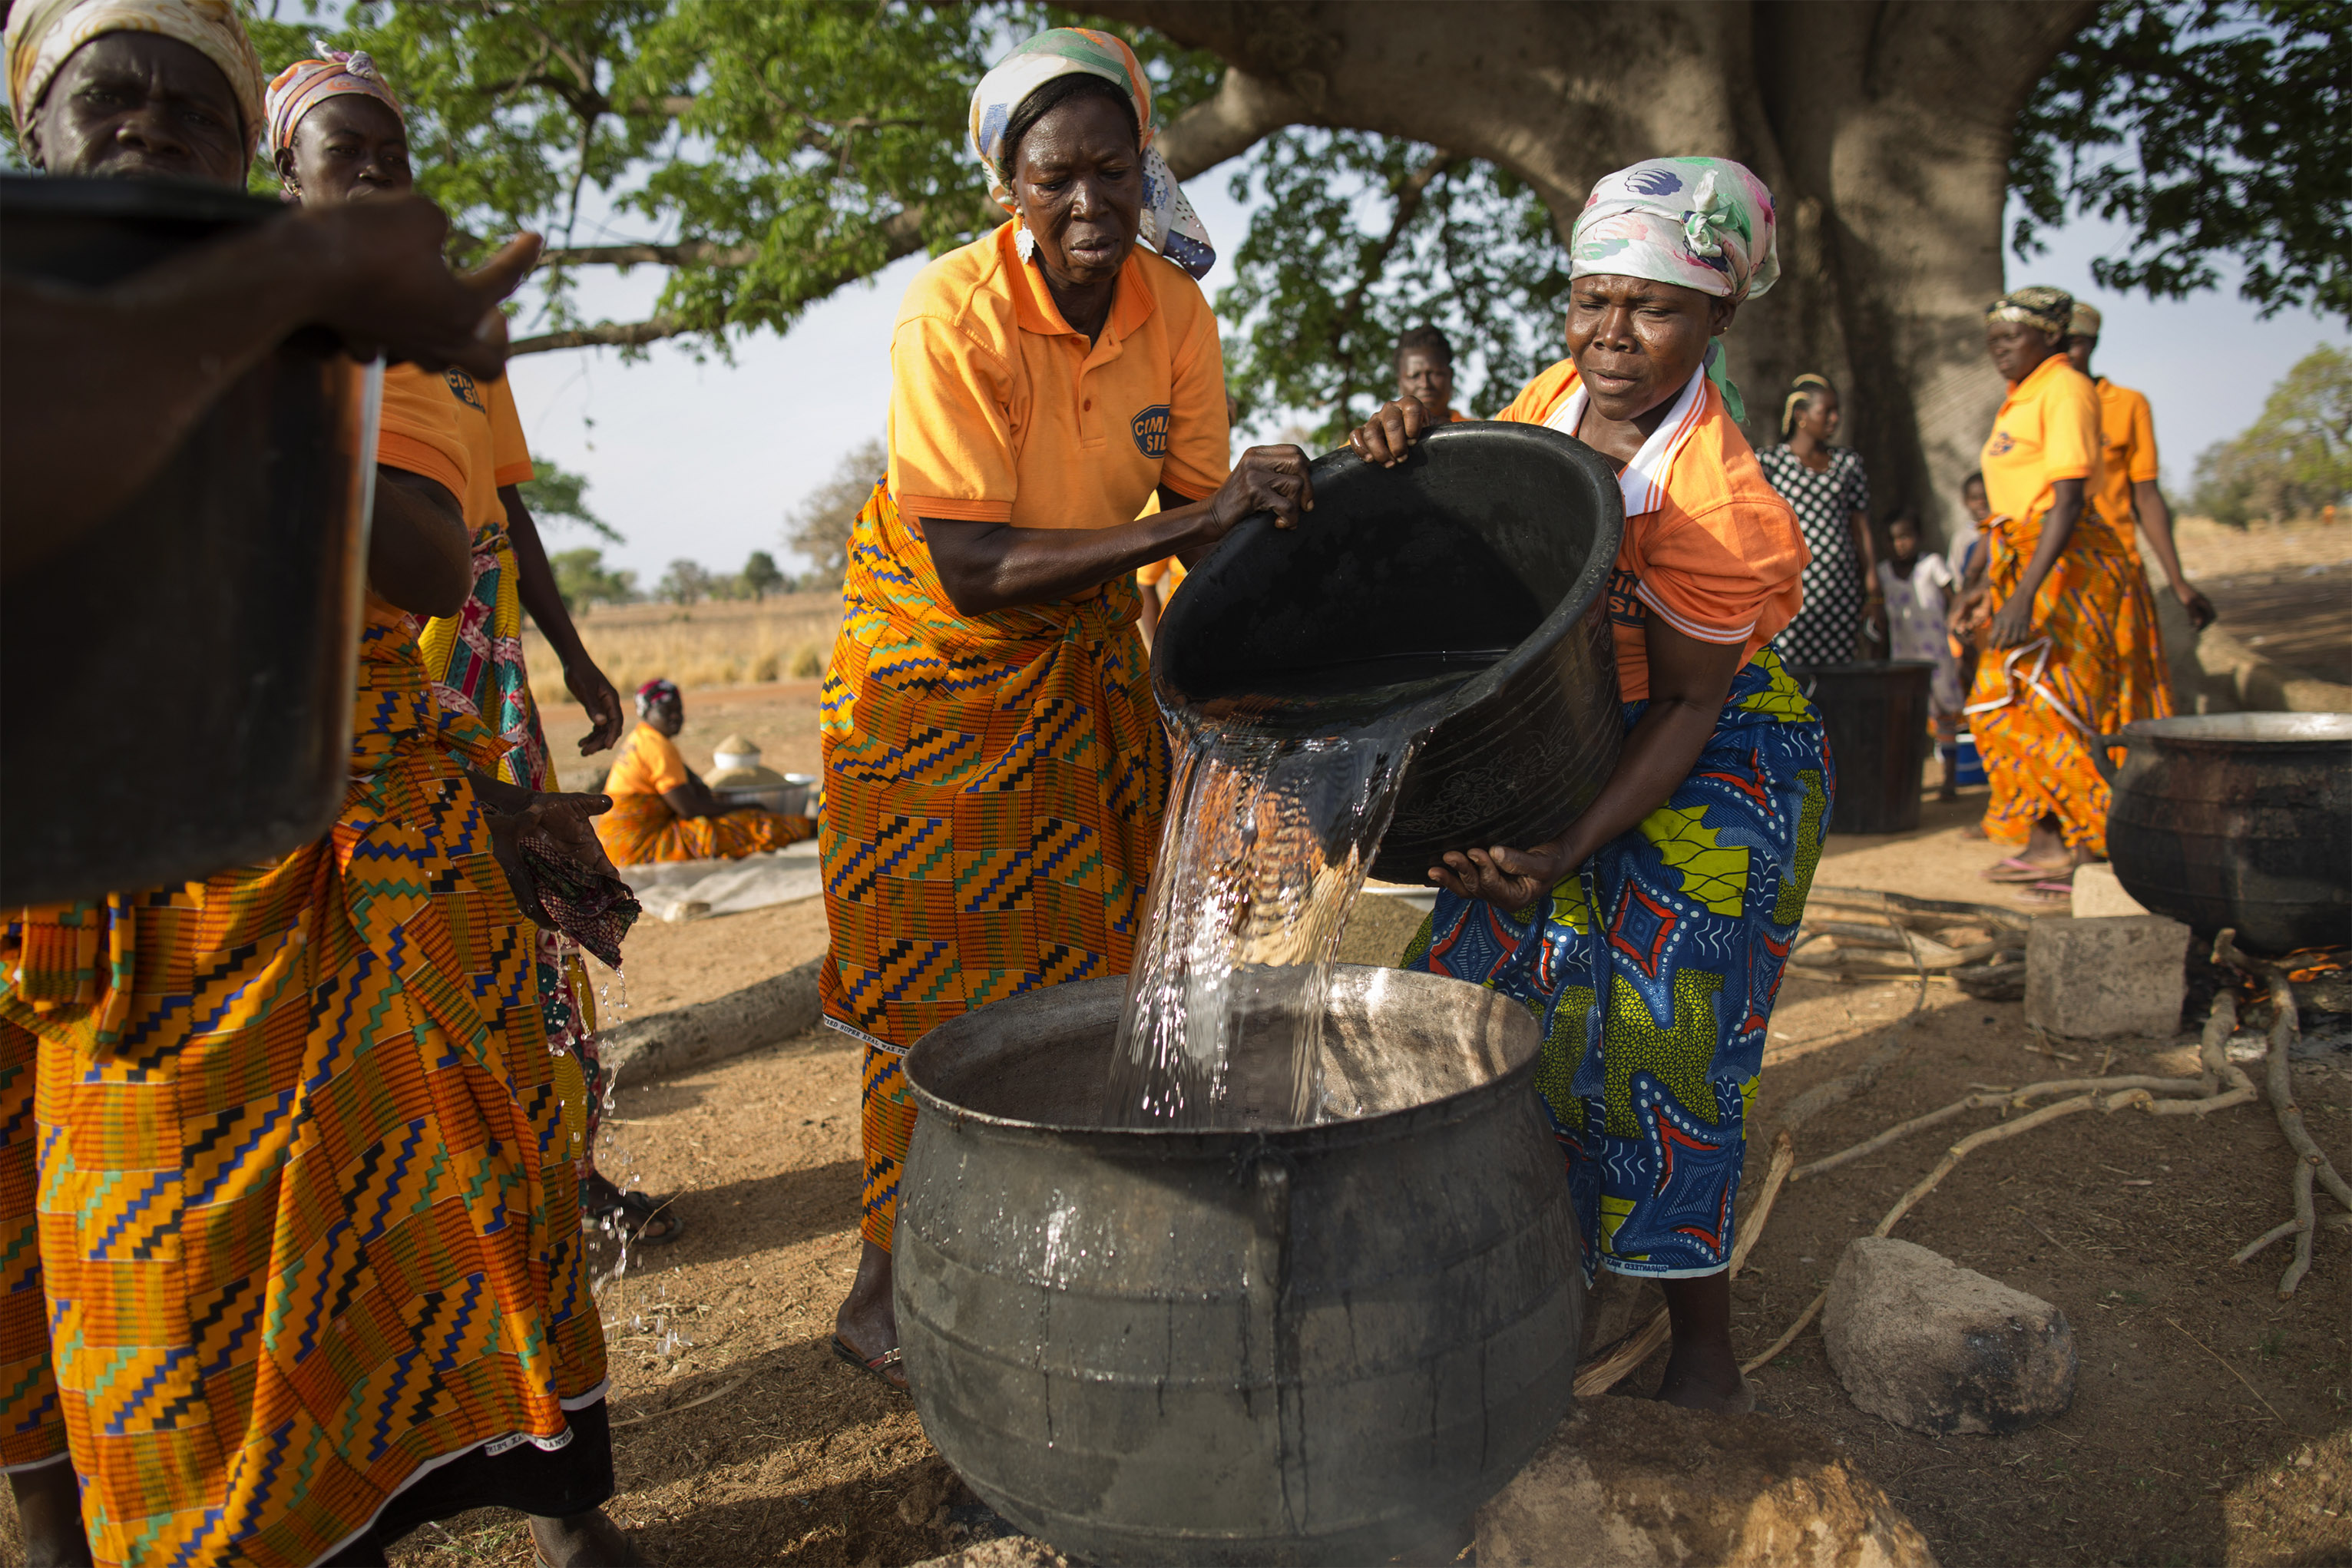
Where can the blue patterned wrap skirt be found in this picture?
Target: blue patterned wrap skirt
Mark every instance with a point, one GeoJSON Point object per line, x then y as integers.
{"type": "Point", "coordinates": [1683, 923]}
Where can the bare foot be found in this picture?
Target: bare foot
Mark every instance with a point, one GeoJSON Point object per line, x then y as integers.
{"type": "Point", "coordinates": [868, 1322]}
{"type": "Point", "coordinates": [1701, 1372]}
{"type": "Point", "coordinates": [587, 1539]}
{"type": "Point", "coordinates": [48, 1512]}
{"type": "Point", "coordinates": [1720, 1389]}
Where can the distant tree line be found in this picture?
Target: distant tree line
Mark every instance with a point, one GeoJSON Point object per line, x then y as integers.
{"type": "Point", "coordinates": [582, 578]}
{"type": "Point", "coordinates": [2294, 462]}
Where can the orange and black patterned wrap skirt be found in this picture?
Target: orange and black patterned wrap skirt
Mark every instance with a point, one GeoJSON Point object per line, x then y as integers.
{"type": "Point", "coordinates": [993, 787]}
{"type": "Point", "coordinates": [307, 1219]}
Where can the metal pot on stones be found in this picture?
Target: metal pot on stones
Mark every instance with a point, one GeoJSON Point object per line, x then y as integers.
{"type": "Point", "coordinates": [1327, 1343]}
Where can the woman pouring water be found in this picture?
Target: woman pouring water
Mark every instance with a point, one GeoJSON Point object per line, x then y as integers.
{"type": "Point", "coordinates": [994, 773]}
{"type": "Point", "coordinates": [1649, 937]}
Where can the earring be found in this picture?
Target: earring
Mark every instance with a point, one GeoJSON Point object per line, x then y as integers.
{"type": "Point", "coordinates": [1023, 242]}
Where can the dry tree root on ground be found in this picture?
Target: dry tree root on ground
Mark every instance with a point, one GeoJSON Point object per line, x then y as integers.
{"type": "Point", "coordinates": [2311, 1165]}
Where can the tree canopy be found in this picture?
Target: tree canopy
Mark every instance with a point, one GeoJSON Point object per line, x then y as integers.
{"type": "Point", "coordinates": [2294, 460]}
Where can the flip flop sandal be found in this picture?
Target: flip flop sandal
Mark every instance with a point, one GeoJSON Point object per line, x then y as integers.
{"type": "Point", "coordinates": [633, 1212]}
{"type": "Point", "coordinates": [880, 1367]}
{"type": "Point", "coordinates": [2048, 893]}
{"type": "Point", "coordinates": [2017, 868]}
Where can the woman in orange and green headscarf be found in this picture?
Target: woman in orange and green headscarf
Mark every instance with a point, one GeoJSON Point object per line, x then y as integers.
{"type": "Point", "coordinates": [994, 772]}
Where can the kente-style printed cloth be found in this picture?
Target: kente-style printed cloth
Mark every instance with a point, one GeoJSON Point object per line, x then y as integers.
{"type": "Point", "coordinates": [1170, 226]}
{"type": "Point", "coordinates": [2035, 708]}
{"type": "Point", "coordinates": [886, 1123]}
{"type": "Point", "coordinates": [474, 660]}
{"type": "Point", "coordinates": [642, 828]}
{"type": "Point", "coordinates": [1826, 629]}
{"type": "Point", "coordinates": [298, 1235]}
{"type": "Point", "coordinates": [1685, 924]}
{"type": "Point", "coordinates": [1702, 223]}
{"type": "Point", "coordinates": [32, 1422]}
{"type": "Point", "coordinates": [304, 85]}
{"type": "Point", "coordinates": [2051, 310]}
{"type": "Point", "coordinates": [993, 790]}
{"type": "Point", "coordinates": [43, 34]}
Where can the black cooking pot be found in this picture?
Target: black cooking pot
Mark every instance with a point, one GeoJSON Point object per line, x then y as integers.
{"type": "Point", "coordinates": [178, 682]}
{"type": "Point", "coordinates": [1488, 537]}
{"type": "Point", "coordinates": [2237, 819]}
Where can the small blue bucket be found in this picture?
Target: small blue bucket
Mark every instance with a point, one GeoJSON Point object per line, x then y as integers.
{"type": "Point", "coordinates": [1967, 767]}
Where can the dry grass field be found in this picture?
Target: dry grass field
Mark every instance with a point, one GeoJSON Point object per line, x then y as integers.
{"type": "Point", "coordinates": [715, 643]}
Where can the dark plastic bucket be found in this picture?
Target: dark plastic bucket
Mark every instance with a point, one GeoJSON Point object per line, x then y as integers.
{"type": "Point", "coordinates": [178, 683]}
{"type": "Point", "coordinates": [1488, 536]}
{"type": "Point", "coordinates": [1876, 717]}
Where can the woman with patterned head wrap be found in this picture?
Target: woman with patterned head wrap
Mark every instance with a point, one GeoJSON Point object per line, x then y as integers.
{"type": "Point", "coordinates": [1826, 487]}
{"type": "Point", "coordinates": [1649, 937]}
{"type": "Point", "coordinates": [337, 135]}
{"type": "Point", "coordinates": [2132, 503]}
{"type": "Point", "coordinates": [995, 773]}
{"type": "Point", "coordinates": [309, 1266]}
{"type": "Point", "coordinates": [2059, 577]}
{"type": "Point", "coordinates": [663, 811]}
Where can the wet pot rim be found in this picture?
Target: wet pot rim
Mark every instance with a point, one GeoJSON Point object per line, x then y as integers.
{"type": "Point", "coordinates": [2210, 732]}
{"type": "Point", "coordinates": [1224, 1144]}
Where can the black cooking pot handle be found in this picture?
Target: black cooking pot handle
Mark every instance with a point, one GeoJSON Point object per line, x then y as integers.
{"type": "Point", "coordinates": [2099, 754]}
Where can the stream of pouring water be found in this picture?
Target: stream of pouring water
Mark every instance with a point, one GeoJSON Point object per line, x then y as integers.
{"type": "Point", "coordinates": [1278, 805]}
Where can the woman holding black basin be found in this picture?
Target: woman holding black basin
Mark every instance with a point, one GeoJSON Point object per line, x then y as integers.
{"type": "Point", "coordinates": [995, 772]}
{"type": "Point", "coordinates": [1649, 937]}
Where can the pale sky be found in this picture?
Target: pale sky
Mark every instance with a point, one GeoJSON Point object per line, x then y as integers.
{"type": "Point", "coordinates": [704, 459]}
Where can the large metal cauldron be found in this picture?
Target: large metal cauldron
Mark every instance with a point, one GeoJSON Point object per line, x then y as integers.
{"type": "Point", "coordinates": [1489, 535]}
{"type": "Point", "coordinates": [2237, 819]}
{"type": "Point", "coordinates": [1317, 1344]}
{"type": "Point", "coordinates": [178, 682]}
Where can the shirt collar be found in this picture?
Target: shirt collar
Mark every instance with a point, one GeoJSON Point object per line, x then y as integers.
{"type": "Point", "coordinates": [1643, 483]}
{"type": "Point", "coordinates": [1033, 305]}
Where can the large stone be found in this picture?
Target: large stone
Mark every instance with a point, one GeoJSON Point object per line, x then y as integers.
{"type": "Point", "coordinates": [1937, 1348]}
{"type": "Point", "coordinates": [1631, 1483]}
{"type": "Point", "coordinates": [2122, 974]}
{"type": "Point", "coordinates": [2098, 894]}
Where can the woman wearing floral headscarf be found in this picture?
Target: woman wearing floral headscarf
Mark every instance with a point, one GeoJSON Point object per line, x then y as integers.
{"type": "Point", "coordinates": [1648, 937]}
{"type": "Point", "coordinates": [995, 773]}
{"type": "Point", "coordinates": [2060, 576]}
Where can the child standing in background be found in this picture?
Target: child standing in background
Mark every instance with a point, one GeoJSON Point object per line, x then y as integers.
{"type": "Point", "coordinates": [1918, 591]}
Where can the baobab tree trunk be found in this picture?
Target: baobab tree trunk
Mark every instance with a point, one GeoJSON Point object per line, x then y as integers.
{"type": "Point", "coordinates": [1883, 129]}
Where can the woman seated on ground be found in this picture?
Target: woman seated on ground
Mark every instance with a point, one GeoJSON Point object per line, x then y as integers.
{"type": "Point", "coordinates": [663, 811]}
{"type": "Point", "coordinates": [1655, 982]}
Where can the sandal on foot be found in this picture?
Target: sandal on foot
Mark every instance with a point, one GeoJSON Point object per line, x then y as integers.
{"type": "Point", "coordinates": [2051, 893]}
{"type": "Point", "coordinates": [649, 1221]}
{"type": "Point", "coordinates": [881, 1367]}
{"type": "Point", "coordinates": [2017, 868]}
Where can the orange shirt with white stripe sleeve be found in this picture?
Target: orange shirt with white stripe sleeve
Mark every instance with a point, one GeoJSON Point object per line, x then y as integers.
{"type": "Point", "coordinates": [2127, 457]}
{"type": "Point", "coordinates": [1710, 545]}
{"type": "Point", "coordinates": [2047, 431]}
{"type": "Point", "coordinates": [1001, 412]}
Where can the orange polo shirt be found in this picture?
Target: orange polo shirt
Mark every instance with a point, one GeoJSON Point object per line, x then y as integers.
{"type": "Point", "coordinates": [424, 411]}
{"type": "Point", "coordinates": [2047, 431]}
{"type": "Point", "coordinates": [1710, 545]}
{"type": "Point", "coordinates": [2126, 456]}
{"type": "Point", "coordinates": [1001, 412]}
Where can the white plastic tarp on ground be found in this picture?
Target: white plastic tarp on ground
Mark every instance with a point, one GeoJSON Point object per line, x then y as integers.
{"type": "Point", "coordinates": [690, 890]}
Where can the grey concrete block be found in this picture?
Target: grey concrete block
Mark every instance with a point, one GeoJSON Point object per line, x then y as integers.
{"type": "Point", "coordinates": [2117, 975]}
{"type": "Point", "coordinates": [1937, 1348]}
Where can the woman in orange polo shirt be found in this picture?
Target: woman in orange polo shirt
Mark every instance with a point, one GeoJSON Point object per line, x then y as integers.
{"type": "Point", "coordinates": [2059, 576]}
{"type": "Point", "coordinates": [1649, 937]}
{"type": "Point", "coordinates": [995, 773]}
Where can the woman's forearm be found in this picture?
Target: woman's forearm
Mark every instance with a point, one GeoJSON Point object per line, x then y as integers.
{"type": "Point", "coordinates": [2057, 528]}
{"type": "Point", "coordinates": [2155, 521]}
{"type": "Point", "coordinates": [990, 566]}
{"type": "Point", "coordinates": [536, 579]}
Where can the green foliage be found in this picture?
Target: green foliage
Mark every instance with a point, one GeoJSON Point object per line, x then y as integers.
{"type": "Point", "coordinates": [582, 579]}
{"type": "Point", "coordinates": [2295, 459]}
{"type": "Point", "coordinates": [685, 583]}
{"type": "Point", "coordinates": [760, 576]}
{"type": "Point", "coordinates": [819, 527]}
{"type": "Point", "coordinates": [560, 495]}
{"type": "Point", "coordinates": [2209, 128]}
{"type": "Point", "coordinates": [1357, 237]}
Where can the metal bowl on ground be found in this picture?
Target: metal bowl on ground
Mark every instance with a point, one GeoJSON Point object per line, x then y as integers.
{"type": "Point", "coordinates": [2242, 820]}
{"type": "Point", "coordinates": [180, 678]}
{"type": "Point", "coordinates": [1494, 537]}
{"type": "Point", "coordinates": [1308, 1344]}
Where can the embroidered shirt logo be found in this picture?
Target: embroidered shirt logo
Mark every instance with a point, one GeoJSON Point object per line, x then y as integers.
{"type": "Point", "coordinates": [461, 386]}
{"type": "Point", "coordinates": [2002, 444]}
{"type": "Point", "coordinates": [1625, 607]}
{"type": "Point", "coordinates": [1151, 428]}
